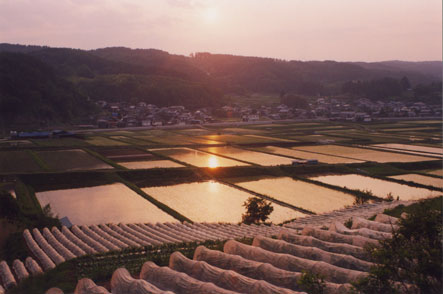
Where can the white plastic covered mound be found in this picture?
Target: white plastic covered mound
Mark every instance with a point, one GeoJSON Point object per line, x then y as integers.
{"type": "Point", "coordinates": [309, 241]}
{"type": "Point", "coordinates": [6, 276]}
{"type": "Point", "coordinates": [20, 270]}
{"type": "Point", "coordinates": [336, 237]}
{"type": "Point", "coordinates": [166, 278]}
{"type": "Point", "coordinates": [33, 267]}
{"type": "Point", "coordinates": [358, 223]}
{"type": "Point", "coordinates": [386, 219]}
{"type": "Point", "coordinates": [123, 283]}
{"type": "Point", "coordinates": [87, 286]}
{"type": "Point", "coordinates": [312, 253]}
{"type": "Point", "coordinates": [364, 232]}
{"type": "Point", "coordinates": [226, 279]}
{"type": "Point", "coordinates": [259, 270]}
{"type": "Point", "coordinates": [331, 273]}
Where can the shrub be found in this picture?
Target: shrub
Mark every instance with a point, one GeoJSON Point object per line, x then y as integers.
{"type": "Point", "coordinates": [312, 283]}
{"type": "Point", "coordinates": [412, 257]}
{"type": "Point", "coordinates": [257, 210]}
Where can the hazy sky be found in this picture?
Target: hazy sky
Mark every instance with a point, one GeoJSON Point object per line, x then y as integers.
{"type": "Point", "coordinates": [344, 30]}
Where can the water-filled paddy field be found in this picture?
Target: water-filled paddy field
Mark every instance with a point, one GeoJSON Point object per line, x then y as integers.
{"type": "Point", "coordinates": [307, 155]}
{"type": "Point", "coordinates": [378, 187]}
{"type": "Point", "coordinates": [114, 203]}
{"type": "Point", "coordinates": [150, 164]}
{"type": "Point", "coordinates": [212, 202]}
{"type": "Point", "coordinates": [249, 156]}
{"type": "Point", "coordinates": [196, 157]}
{"type": "Point", "coordinates": [305, 195]}
{"type": "Point", "coordinates": [363, 153]}
{"type": "Point", "coordinates": [416, 148]}
{"type": "Point", "coordinates": [420, 179]}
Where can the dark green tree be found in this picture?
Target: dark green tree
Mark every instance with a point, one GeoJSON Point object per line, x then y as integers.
{"type": "Point", "coordinates": [410, 262]}
{"type": "Point", "coordinates": [257, 210]}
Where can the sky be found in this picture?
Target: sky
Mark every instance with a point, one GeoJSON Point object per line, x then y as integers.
{"type": "Point", "coordinates": [342, 30]}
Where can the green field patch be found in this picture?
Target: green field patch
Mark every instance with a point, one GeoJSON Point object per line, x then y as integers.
{"type": "Point", "coordinates": [16, 143]}
{"type": "Point", "coordinates": [18, 162]}
{"type": "Point", "coordinates": [61, 142]}
{"type": "Point", "coordinates": [130, 140]}
{"type": "Point", "coordinates": [169, 140]}
{"type": "Point", "coordinates": [69, 160]}
{"type": "Point", "coordinates": [118, 133]}
{"type": "Point", "coordinates": [126, 154]}
{"type": "Point", "coordinates": [319, 138]}
{"type": "Point", "coordinates": [421, 122]}
{"type": "Point", "coordinates": [411, 129]}
{"type": "Point", "coordinates": [103, 141]}
{"type": "Point", "coordinates": [241, 131]}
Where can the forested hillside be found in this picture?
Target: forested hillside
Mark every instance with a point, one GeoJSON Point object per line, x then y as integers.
{"type": "Point", "coordinates": [56, 83]}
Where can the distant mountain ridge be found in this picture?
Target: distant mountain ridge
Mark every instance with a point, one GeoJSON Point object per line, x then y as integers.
{"type": "Point", "coordinates": [157, 77]}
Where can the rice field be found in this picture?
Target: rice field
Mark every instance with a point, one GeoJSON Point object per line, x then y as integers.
{"type": "Point", "coordinates": [147, 164]}
{"type": "Point", "coordinates": [417, 148]}
{"type": "Point", "coordinates": [378, 187]}
{"type": "Point", "coordinates": [437, 172]}
{"type": "Point", "coordinates": [363, 153]}
{"type": "Point", "coordinates": [212, 202]}
{"type": "Point", "coordinates": [114, 203]}
{"type": "Point", "coordinates": [420, 179]}
{"type": "Point", "coordinates": [196, 157]}
{"type": "Point", "coordinates": [307, 155]}
{"type": "Point", "coordinates": [103, 141]}
{"type": "Point", "coordinates": [17, 162]}
{"type": "Point", "coordinates": [131, 141]}
{"type": "Point", "coordinates": [249, 156]}
{"type": "Point", "coordinates": [301, 194]}
{"type": "Point", "coordinates": [69, 160]}
{"type": "Point", "coordinates": [237, 139]}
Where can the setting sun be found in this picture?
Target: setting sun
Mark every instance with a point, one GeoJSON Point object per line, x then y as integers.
{"type": "Point", "coordinates": [213, 161]}
{"type": "Point", "coordinates": [210, 15]}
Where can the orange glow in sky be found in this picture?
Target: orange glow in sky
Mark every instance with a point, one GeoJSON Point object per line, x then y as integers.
{"type": "Point", "coordinates": [342, 30]}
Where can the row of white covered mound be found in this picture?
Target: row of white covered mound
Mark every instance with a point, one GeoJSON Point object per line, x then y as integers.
{"type": "Point", "coordinates": [267, 266]}
{"type": "Point", "coordinates": [21, 270]}
{"type": "Point", "coordinates": [52, 247]}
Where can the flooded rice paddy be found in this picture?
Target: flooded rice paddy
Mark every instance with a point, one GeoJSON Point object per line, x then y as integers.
{"type": "Point", "coordinates": [420, 179]}
{"type": "Point", "coordinates": [114, 203]}
{"type": "Point", "coordinates": [307, 155]}
{"type": "Point", "coordinates": [301, 194]}
{"type": "Point", "coordinates": [197, 158]}
{"type": "Point", "coordinates": [363, 153]}
{"type": "Point", "coordinates": [249, 156]}
{"type": "Point", "coordinates": [150, 164]}
{"type": "Point", "coordinates": [415, 148]}
{"type": "Point", "coordinates": [437, 172]}
{"type": "Point", "coordinates": [212, 202]}
{"type": "Point", "coordinates": [378, 187]}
